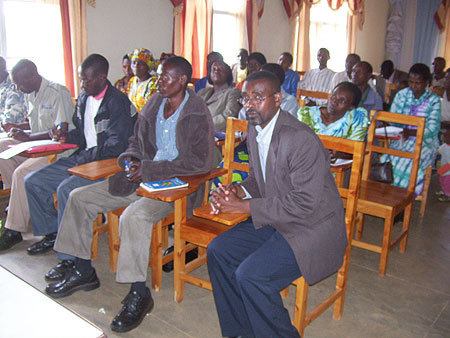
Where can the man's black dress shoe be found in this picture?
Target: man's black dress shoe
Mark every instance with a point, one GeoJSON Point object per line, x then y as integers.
{"type": "Point", "coordinates": [9, 238]}
{"type": "Point", "coordinates": [44, 245]}
{"type": "Point", "coordinates": [57, 273]}
{"type": "Point", "coordinates": [73, 281]}
{"type": "Point", "coordinates": [134, 309]}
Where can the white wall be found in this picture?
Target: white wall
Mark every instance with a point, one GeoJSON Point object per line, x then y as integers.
{"type": "Point", "coordinates": [370, 41]}
{"type": "Point", "coordinates": [274, 32]}
{"type": "Point", "coordinates": [115, 27]}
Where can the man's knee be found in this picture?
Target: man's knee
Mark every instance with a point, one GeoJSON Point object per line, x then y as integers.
{"type": "Point", "coordinates": [31, 180]}
{"type": "Point", "coordinates": [216, 248]}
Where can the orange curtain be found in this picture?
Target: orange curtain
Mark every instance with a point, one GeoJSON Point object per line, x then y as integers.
{"type": "Point", "coordinates": [73, 16]}
{"type": "Point", "coordinates": [192, 32]}
{"type": "Point", "coordinates": [67, 46]}
{"type": "Point", "coordinates": [254, 11]}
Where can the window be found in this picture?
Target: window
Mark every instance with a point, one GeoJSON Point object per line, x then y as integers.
{"type": "Point", "coordinates": [32, 30]}
{"type": "Point", "coordinates": [228, 28]}
{"type": "Point", "coordinates": [328, 28]}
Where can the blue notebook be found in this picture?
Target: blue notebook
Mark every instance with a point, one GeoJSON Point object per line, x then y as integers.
{"type": "Point", "coordinates": [173, 183]}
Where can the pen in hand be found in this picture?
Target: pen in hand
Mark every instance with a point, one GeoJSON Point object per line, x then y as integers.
{"type": "Point", "coordinates": [56, 135]}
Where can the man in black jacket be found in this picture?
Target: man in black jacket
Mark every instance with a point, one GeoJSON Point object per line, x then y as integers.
{"type": "Point", "coordinates": [103, 124]}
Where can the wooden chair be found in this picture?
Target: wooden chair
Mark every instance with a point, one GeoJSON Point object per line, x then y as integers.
{"type": "Point", "coordinates": [202, 228]}
{"type": "Point", "coordinates": [350, 198]}
{"type": "Point", "coordinates": [388, 91]}
{"type": "Point", "coordinates": [385, 200]}
{"type": "Point", "coordinates": [309, 93]}
{"type": "Point", "coordinates": [423, 197]}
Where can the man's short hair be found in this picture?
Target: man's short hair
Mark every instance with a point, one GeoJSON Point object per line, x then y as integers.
{"type": "Point", "coordinates": [2, 63]}
{"type": "Point", "coordinates": [367, 65]}
{"type": "Point", "coordinates": [352, 88]}
{"type": "Point", "coordinates": [23, 67]}
{"type": "Point", "coordinates": [353, 55]}
{"type": "Point", "coordinates": [126, 57]}
{"type": "Point", "coordinates": [441, 59]}
{"type": "Point", "coordinates": [265, 75]}
{"type": "Point", "coordinates": [276, 69]}
{"type": "Point", "coordinates": [258, 57]}
{"type": "Point", "coordinates": [96, 62]}
{"type": "Point", "coordinates": [387, 64]}
{"type": "Point", "coordinates": [325, 50]}
{"type": "Point", "coordinates": [289, 56]}
{"type": "Point", "coordinates": [182, 65]}
{"type": "Point", "coordinates": [421, 69]}
{"type": "Point", "coordinates": [243, 50]}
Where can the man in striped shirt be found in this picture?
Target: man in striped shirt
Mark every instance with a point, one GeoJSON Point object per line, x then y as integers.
{"type": "Point", "coordinates": [318, 79]}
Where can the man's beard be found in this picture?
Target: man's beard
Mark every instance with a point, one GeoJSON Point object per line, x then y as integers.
{"type": "Point", "coordinates": [257, 120]}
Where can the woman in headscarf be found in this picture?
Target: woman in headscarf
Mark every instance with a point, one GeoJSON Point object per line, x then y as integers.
{"type": "Point", "coordinates": [143, 85]}
{"type": "Point", "coordinates": [122, 83]}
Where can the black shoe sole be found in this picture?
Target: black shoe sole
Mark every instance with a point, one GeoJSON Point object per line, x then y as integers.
{"type": "Point", "coordinates": [84, 287]}
{"type": "Point", "coordinates": [135, 325]}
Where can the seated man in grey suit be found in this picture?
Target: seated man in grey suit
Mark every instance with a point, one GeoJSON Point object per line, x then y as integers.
{"type": "Point", "coordinates": [297, 224]}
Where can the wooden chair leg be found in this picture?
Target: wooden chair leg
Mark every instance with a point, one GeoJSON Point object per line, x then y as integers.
{"type": "Point", "coordinates": [94, 246]}
{"type": "Point", "coordinates": [301, 303]}
{"type": "Point", "coordinates": [179, 257]}
{"type": "Point", "coordinates": [156, 255]}
{"type": "Point", "coordinates": [113, 239]}
{"type": "Point", "coordinates": [426, 186]}
{"type": "Point", "coordinates": [388, 223]}
{"type": "Point", "coordinates": [405, 228]}
{"type": "Point", "coordinates": [359, 225]}
{"type": "Point", "coordinates": [341, 284]}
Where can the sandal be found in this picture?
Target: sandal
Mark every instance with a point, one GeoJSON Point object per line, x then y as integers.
{"type": "Point", "coordinates": [444, 198]}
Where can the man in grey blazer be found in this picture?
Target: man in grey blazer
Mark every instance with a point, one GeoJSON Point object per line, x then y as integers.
{"type": "Point", "coordinates": [297, 224]}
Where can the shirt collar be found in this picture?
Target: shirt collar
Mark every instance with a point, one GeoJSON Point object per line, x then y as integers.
{"type": "Point", "coordinates": [265, 135]}
{"type": "Point", "coordinates": [101, 95]}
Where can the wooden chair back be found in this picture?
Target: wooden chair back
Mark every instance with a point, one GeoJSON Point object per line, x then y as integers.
{"type": "Point", "coordinates": [350, 198]}
{"type": "Point", "coordinates": [371, 148]}
{"type": "Point", "coordinates": [309, 93]}
{"type": "Point", "coordinates": [384, 200]}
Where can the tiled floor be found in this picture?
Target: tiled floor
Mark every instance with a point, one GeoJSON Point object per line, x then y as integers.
{"type": "Point", "coordinates": [412, 300]}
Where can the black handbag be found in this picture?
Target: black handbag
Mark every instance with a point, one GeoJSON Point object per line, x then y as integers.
{"type": "Point", "coordinates": [383, 172]}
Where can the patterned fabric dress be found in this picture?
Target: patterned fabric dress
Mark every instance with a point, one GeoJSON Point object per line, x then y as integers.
{"type": "Point", "coordinates": [352, 126]}
{"type": "Point", "coordinates": [428, 106]}
{"type": "Point", "coordinates": [122, 85]}
{"type": "Point", "coordinates": [140, 93]}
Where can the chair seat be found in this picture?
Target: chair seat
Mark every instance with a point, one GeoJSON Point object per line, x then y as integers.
{"type": "Point", "coordinates": [201, 231]}
{"type": "Point", "coordinates": [227, 219]}
{"type": "Point", "coordinates": [375, 198]}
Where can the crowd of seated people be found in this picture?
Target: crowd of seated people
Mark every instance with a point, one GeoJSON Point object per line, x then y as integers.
{"type": "Point", "coordinates": [158, 128]}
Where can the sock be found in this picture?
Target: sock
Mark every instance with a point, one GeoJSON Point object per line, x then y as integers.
{"type": "Point", "coordinates": [84, 266]}
{"type": "Point", "coordinates": [140, 288]}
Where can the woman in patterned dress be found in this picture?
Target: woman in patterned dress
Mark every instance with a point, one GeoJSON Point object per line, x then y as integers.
{"type": "Point", "coordinates": [143, 84]}
{"type": "Point", "coordinates": [416, 100]}
{"type": "Point", "coordinates": [341, 118]}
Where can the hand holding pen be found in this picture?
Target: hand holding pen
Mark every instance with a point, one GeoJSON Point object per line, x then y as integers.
{"type": "Point", "coordinates": [59, 134]}
{"type": "Point", "coordinates": [134, 170]}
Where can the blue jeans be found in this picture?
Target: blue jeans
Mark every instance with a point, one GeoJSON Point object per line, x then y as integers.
{"type": "Point", "coordinates": [248, 268]}
{"type": "Point", "coordinates": [40, 186]}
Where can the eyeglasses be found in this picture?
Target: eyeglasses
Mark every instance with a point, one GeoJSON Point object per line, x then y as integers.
{"type": "Point", "coordinates": [258, 99]}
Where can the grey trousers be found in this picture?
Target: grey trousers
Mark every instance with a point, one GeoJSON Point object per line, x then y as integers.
{"type": "Point", "coordinates": [8, 166]}
{"type": "Point", "coordinates": [135, 227]}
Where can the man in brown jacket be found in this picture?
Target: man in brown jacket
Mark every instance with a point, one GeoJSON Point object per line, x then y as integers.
{"type": "Point", "coordinates": [174, 136]}
{"type": "Point", "coordinates": [297, 224]}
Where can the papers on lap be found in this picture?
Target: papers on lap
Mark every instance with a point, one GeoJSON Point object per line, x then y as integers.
{"type": "Point", "coordinates": [391, 131]}
{"type": "Point", "coordinates": [35, 147]}
{"type": "Point", "coordinates": [173, 183]}
{"type": "Point", "coordinates": [341, 161]}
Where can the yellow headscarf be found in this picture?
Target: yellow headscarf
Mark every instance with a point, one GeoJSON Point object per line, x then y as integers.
{"type": "Point", "coordinates": [144, 55]}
